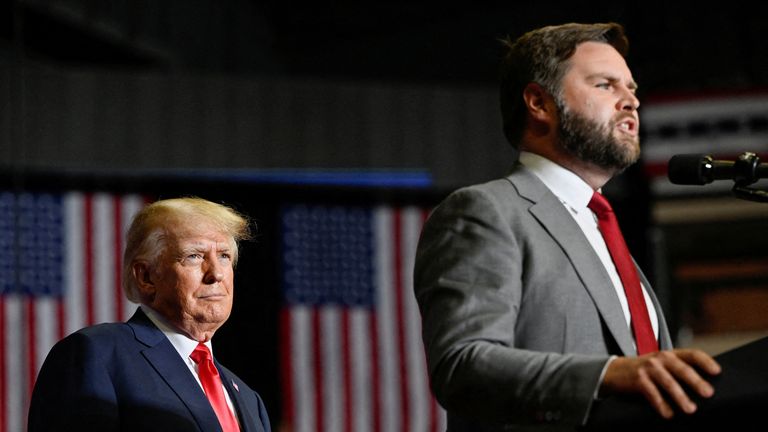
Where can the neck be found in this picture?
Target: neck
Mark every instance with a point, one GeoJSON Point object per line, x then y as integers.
{"type": "Point", "coordinates": [201, 332]}
{"type": "Point", "coordinates": [593, 175]}
{"type": "Point", "coordinates": [197, 331]}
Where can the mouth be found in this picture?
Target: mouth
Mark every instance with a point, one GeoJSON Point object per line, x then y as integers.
{"type": "Point", "coordinates": [628, 125]}
{"type": "Point", "coordinates": [212, 296]}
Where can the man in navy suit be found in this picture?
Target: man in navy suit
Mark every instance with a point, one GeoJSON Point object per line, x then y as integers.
{"type": "Point", "coordinates": [140, 375]}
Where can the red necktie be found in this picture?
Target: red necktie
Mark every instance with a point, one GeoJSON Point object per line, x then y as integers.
{"type": "Point", "coordinates": [609, 227]}
{"type": "Point", "coordinates": [209, 377]}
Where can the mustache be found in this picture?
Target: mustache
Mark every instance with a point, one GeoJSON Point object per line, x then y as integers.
{"type": "Point", "coordinates": [622, 117]}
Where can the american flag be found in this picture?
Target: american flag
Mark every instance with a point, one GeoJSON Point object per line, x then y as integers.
{"type": "Point", "coordinates": [352, 355]}
{"type": "Point", "coordinates": [60, 269]}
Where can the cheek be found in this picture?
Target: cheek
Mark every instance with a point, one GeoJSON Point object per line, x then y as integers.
{"type": "Point", "coordinates": [598, 114]}
{"type": "Point", "coordinates": [591, 108]}
{"type": "Point", "coordinates": [185, 286]}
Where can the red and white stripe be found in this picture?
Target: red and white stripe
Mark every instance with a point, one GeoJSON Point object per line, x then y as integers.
{"type": "Point", "coordinates": [94, 227]}
{"type": "Point", "coordinates": [351, 369]}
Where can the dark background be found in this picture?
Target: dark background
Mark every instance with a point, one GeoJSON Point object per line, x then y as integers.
{"type": "Point", "coordinates": [675, 46]}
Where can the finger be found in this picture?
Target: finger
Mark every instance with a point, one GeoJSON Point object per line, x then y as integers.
{"type": "Point", "coordinates": [701, 360]}
{"type": "Point", "coordinates": [682, 371]}
{"type": "Point", "coordinates": [664, 379]}
{"type": "Point", "coordinates": [653, 395]}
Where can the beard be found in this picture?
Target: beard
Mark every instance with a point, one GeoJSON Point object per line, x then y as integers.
{"type": "Point", "coordinates": [593, 143]}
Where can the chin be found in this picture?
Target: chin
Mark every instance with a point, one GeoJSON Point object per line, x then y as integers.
{"type": "Point", "coordinates": [630, 150]}
{"type": "Point", "coordinates": [214, 314]}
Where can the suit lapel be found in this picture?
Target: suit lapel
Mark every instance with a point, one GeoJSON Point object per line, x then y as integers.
{"type": "Point", "coordinates": [553, 216]}
{"type": "Point", "coordinates": [247, 423]}
{"type": "Point", "coordinates": [166, 361]}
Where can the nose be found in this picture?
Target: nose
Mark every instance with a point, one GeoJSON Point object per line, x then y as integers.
{"type": "Point", "coordinates": [628, 101]}
{"type": "Point", "coordinates": [214, 271]}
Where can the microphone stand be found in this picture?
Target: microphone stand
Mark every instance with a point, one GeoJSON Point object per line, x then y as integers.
{"type": "Point", "coordinates": [746, 167]}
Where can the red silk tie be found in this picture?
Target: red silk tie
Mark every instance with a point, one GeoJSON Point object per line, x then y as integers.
{"type": "Point", "coordinates": [209, 377]}
{"type": "Point", "coordinates": [609, 227]}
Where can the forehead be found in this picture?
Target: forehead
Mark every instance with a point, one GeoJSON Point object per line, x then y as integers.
{"type": "Point", "coordinates": [198, 233]}
{"type": "Point", "coordinates": [595, 58]}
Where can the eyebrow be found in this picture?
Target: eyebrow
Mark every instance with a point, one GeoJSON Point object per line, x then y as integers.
{"type": "Point", "coordinates": [632, 85]}
{"type": "Point", "coordinates": [203, 247]}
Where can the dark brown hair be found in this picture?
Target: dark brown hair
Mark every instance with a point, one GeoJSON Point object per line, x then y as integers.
{"type": "Point", "coordinates": [542, 56]}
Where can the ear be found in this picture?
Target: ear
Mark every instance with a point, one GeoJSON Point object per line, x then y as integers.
{"type": "Point", "coordinates": [539, 103]}
{"type": "Point", "coordinates": [144, 279]}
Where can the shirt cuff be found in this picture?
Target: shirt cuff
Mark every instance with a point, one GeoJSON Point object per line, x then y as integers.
{"type": "Point", "coordinates": [596, 392]}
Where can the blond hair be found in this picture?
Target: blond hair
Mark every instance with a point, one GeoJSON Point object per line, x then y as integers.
{"type": "Point", "coordinates": [146, 237]}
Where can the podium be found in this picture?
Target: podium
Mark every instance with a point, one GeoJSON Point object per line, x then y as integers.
{"type": "Point", "coordinates": [740, 402]}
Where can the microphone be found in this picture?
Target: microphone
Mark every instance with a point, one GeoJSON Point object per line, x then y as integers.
{"type": "Point", "coordinates": [698, 169]}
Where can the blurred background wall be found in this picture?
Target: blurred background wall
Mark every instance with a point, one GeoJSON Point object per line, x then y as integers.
{"type": "Point", "coordinates": [266, 84]}
{"type": "Point", "coordinates": [372, 103]}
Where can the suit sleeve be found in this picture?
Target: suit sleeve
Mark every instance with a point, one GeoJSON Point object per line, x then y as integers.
{"type": "Point", "coordinates": [468, 283]}
{"type": "Point", "coordinates": [263, 416]}
{"type": "Point", "coordinates": [73, 390]}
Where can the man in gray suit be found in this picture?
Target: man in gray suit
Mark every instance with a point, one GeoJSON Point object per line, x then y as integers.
{"type": "Point", "coordinates": [525, 319]}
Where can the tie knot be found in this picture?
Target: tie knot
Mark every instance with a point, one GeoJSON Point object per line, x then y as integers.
{"type": "Point", "coordinates": [599, 205]}
{"type": "Point", "coordinates": [201, 353]}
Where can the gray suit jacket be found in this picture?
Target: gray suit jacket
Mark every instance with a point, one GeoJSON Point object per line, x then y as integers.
{"type": "Point", "coordinates": [519, 315]}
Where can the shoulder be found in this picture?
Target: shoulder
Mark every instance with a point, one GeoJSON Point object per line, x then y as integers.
{"type": "Point", "coordinates": [92, 340]}
{"type": "Point", "coordinates": [500, 196]}
{"type": "Point", "coordinates": [518, 183]}
{"type": "Point", "coordinates": [101, 333]}
{"type": "Point", "coordinates": [500, 187]}
{"type": "Point", "coordinates": [84, 356]}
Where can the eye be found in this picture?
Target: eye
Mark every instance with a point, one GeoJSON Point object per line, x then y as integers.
{"type": "Point", "coordinates": [225, 256]}
{"type": "Point", "coordinates": [192, 257]}
{"type": "Point", "coordinates": [603, 85]}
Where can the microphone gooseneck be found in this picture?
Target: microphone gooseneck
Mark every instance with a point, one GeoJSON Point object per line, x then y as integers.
{"type": "Point", "coordinates": [698, 169]}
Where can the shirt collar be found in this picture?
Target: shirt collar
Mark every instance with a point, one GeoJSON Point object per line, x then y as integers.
{"type": "Point", "coordinates": [565, 184]}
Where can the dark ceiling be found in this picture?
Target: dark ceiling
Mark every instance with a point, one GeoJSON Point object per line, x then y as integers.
{"type": "Point", "coordinates": [675, 47]}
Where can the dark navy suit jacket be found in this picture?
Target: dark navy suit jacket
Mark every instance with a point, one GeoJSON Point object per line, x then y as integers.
{"type": "Point", "coordinates": [128, 377]}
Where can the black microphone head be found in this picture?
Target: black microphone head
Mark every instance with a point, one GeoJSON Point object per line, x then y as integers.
{"type": "Point", "coordinates": [690, 169]}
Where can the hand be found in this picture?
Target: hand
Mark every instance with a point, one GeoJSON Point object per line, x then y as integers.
{"type": "Point", "coordinates": [656, 374]}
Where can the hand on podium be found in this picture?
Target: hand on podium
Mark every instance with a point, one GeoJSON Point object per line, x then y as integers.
{"type": "Point", "coordinates": [685, 390]}
{"type": "Point", "coordinates": [660, 374]}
